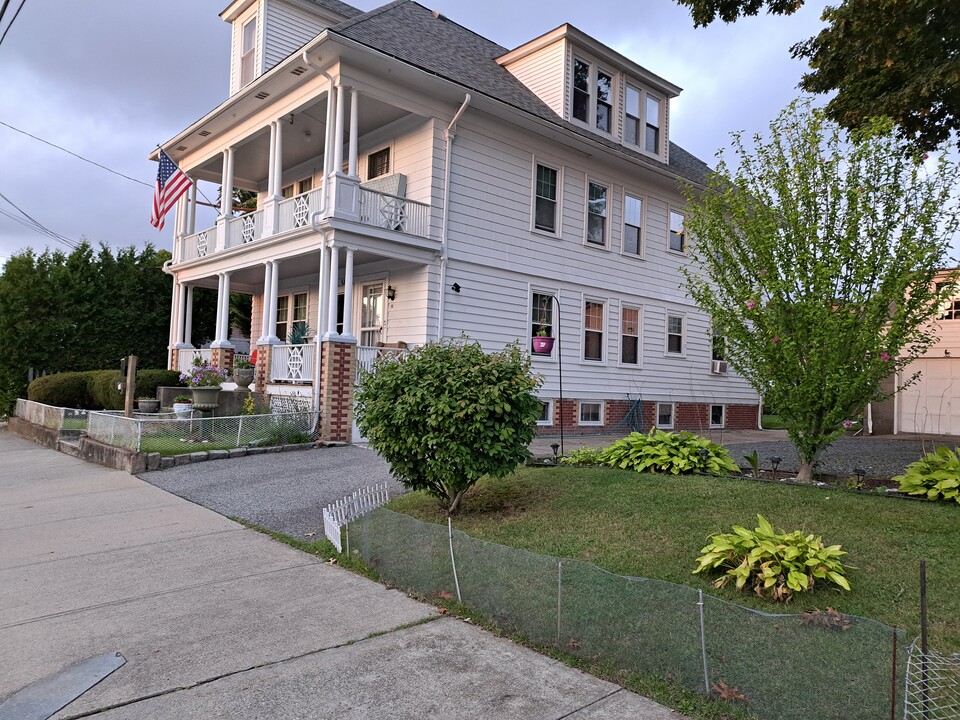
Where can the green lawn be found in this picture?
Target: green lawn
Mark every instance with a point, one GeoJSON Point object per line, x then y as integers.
{"type": "Point", "coordinates": [653, 526]}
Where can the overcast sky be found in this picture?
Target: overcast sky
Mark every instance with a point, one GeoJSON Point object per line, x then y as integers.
{"type": "Point", "coordinates": [111, 79]}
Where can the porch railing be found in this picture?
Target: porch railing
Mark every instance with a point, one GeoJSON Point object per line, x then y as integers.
{"type": "Point", "coordinates": [295, 212]}
{"type": "Point", "coordinates": [199, 244]}
{"type": "Point", "coordinates": [245, 229]}
{"type": "Point", "coordinates": [367, 355]}
{"type": "Point", "coordinates": [186, 358]}
{"type": "Point", "coordinates": [394, 213]}
{"type": "Point", "coordinates": [293, 363]}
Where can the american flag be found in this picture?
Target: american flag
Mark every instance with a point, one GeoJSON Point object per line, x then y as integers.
{"type": "Point", "coordinates": [171, 184]}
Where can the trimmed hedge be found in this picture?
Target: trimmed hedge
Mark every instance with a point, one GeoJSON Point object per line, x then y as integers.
{"type": "Point", "coordinates": [96, 389]}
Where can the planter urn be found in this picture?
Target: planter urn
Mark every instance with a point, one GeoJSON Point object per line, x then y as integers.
{"type": "Point", "coordinates": [543, 345]}
{"type": "Point", "coordinates": [206, 398]}
{"type": "Point", "coordinates": [243, 377]}
{"type": "Point", "coordinates": [148, 406]}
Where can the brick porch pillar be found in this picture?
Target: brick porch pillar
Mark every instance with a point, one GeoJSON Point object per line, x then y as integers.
{"type": "Point", "coordinates": [338, 369]}
{"type": "Point", "coordinates": [174, 359]}
{"type": "Point", "coordinates": [222, 358]}
{"type": "Point", "coordinates": [262, 375]}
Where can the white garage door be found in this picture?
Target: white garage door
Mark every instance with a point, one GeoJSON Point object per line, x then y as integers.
{"type": "Point", "coordinates": [932, 404]}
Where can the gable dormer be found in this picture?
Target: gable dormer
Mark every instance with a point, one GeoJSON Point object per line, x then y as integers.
{"type": "Point", "coordinates": [594, 87]}
{"type": "Point", "coordinates": [264, 32]}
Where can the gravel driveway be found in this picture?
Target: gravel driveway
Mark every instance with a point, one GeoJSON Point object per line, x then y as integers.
{"type": "Point", "coordinates": [280, 491]}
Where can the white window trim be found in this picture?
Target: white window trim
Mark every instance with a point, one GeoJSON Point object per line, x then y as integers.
{"type": "Point", "coordinates": [533, 199]}
{"type": "Point", "coordinates": [616, 81]}
{"type": "Point", "coordinates": [590, 423]}
{"type": "Point", "coordinates": [251, 15]}
{"type": "Point", "coordinates": [673, 416]}
{"type": "Point", "coordinates": [549, 421]}
{"type": "Point", "coordinates": [666, 335]}
{"type": "Point", "coordinates": [605, 329]}
{"type": "Point", "coordinates": [686, 240]}
{"type": "Point", "coordinates": [607, 219]}
{"type": "Point", "coordinates": [554, 355]}
{"type": "Point", "coordinates": [643, 225]}
{"type": "Point", "coordinates": [660, 127]}
{"type": "Point", "coordinates": [366, 161]}
{"type": "Point", "coordinates": [639, 364]}
{"type": "Point", "coordinates": [723, 415]}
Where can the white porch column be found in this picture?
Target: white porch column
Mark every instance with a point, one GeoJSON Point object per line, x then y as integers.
{"type": "Point", "coordinates": [192, 219]}
{"type": "Point", "coordinates": [173, 337]}
{"type": "Point", "coordinates": [322, 294]}
{"type": "Point", "coordinates": [223, 313]}
{"type": "Point", "coordinates": [188, 319]}
{"type": "Point", "coordinates": [353, 134]}
{"type": "Point", "coordinates": [182, 337]}
{"type": "Point", "coordinates": [338, 134]}
{"type": "Point", "coordinates": [274, 293]}
{"type": "Point", "coordinates": [277, 167]}
{"type": "Point", "coordinates": [272, 163]}
{"type": "Point", "coordinates": [333, 285]}
{"type": "Point", "coordinates": [265, 309]}
{"type": "Point", "coordinates": [226, 182]}
{"type": "Point", "coordinates": [347, 334]}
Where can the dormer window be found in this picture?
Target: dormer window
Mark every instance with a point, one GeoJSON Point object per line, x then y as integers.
{"type": "Point", "coordinates": [652, 140]}
{"type": "Point", "coordinates": [642, 130]}
{"type": "Point", "coordinates": [581, 90]}
{"type": "Point", "coordinates": [604, 91]}
{"type": "Point", "coordinates": [248, 51]}
{"type": "Point", "coordinates": [593, 96]}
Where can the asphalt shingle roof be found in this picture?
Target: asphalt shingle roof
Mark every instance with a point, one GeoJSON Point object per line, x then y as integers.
{"type": "Point", "coordinates": [408, 31]}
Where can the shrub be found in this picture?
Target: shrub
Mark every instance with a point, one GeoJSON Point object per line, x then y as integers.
{"type": "Point", "coordinates": [666, 452]}
{"type": "Point", "coordinates": [448, 414]}
{"type": "Point", "coordinates": [936, 475]}
{"type": "Point", "coordinates": [583, 456]}
{"type": "Point", "coordinates": [103, 389]}
{"type": "Point", "coordinates": [69, 389]}
{"type": "Point", "coordinates": [773, 565]}
{"type": "Point", "coordinates": [149, 380]}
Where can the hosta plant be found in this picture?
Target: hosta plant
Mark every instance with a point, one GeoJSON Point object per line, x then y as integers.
{"type": "Point", "coordinates": [774, 565]}
{"type": "Point", "coordinates": [583, 456]}
{"type": "Point", "coordinates": [935, 475]}
{"type": "Point", "coordinates": [670, 453]}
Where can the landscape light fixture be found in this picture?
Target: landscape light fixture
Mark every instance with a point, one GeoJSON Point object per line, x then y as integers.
{"type": "Point", "coordinates": [556, 448]}
{"type": "Point", "coordinates": [860, 473]}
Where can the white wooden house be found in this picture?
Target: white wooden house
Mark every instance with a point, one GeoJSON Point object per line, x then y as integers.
{"type": "Point", "coordinates": [417, 181]}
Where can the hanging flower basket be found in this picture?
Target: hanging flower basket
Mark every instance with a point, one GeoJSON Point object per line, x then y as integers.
{"type": "Point", "coordinates": [543, 345]}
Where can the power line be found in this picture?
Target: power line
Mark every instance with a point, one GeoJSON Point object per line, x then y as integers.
{"type": "Point", "coordinates": [70, 152]}
{"type": "Point", "coordinates": [12, 21]}
{"type": "Point", "coordinates": [2, 11]}
{"type": "Point", "coordinates": [36, 225]}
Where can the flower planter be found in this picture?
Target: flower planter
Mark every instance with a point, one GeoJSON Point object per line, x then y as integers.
{"type": "Point", "coordinates": [148, 406]}
{"type": "Point", "coordinates": [183, 410]}
{"type": "Point", "coordinates": [243, 377]}
{"type": "Point", "coordinates": [206, 398]}
{"type": "Point", "coordinates": [543, 345]}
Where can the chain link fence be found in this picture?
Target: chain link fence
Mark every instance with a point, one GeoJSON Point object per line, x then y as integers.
{"type": "Point", "coordinates": [822, 665]}
{"type": "Point", "coordinates": [170, 434]}
{"type": "Point", "coordinates": [51, 416]}
{"type": "Point", "coordinates": [933, 685]}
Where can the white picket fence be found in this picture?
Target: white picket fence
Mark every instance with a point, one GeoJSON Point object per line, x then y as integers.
{"type": "Point", "coordinates": [345, 511]}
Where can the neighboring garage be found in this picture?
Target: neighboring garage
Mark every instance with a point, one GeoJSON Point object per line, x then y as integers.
{"type": "Point", "coordinates": [931, 405]}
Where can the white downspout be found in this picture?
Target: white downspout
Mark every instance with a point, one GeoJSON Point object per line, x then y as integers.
{"type": "Point", "coordinates": [449, 135]}
{"type": "Point", "coordinates": [760, 414]}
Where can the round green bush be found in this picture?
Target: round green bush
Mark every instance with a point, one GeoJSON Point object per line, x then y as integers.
{"type": "Point", "coordinates": [69, 389]}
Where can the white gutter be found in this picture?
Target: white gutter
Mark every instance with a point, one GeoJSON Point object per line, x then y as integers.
{"type": "Point", "coordinates": [449, 135]}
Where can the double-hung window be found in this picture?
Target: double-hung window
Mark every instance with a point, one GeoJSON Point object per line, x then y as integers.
{"type": "Point", "coordinates": [290, 306]}
{"type": "Point", "coordinates": [248, 51]}
{"type": "Point", "coordinates": [597, 214]}
{"type": "Point", "coordinates": [677, 236]}
{"type": "Point", "coordinates": [545, 199]}
{"type": "Point", "coordinates": [631, 116]}
{"type": "Point", "coordinates": [632, 225]}
{"type": "Point", "coordinates": [675, 334]}
{"type": "Point", "coordinates": [541, 315]}
{"type": "Point", "coordinates": [665, 415]}
{"type": "Point", "coordinates": [652, 137]}
{"type": "Point", "coordinates": [378, 163]}
{"type": "Point", "coordinates": [581, 90]}
{"type": "Point", "coordinates": [593, 331]}
{"type": "Point", "coordinates": [604, 100]}
{"type": "Point", "coordinates": [630, 336]}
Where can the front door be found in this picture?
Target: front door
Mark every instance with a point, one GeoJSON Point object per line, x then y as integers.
{"type": "Point", "coordinates": [371, 314]}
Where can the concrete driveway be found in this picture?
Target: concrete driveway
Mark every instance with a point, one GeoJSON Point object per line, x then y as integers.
{"type": "Point", "coordinates": [218, 621]}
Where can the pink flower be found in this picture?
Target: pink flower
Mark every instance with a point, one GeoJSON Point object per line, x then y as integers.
{"type": "Point", "coordinates": [763, 273]}
{"type": "Point", "coordinates": [751, 304]}
{"type": "Point", "coordinates": [925, 156]}
{"type": "Point", "coordinates": [848, 424]}
{"type": "Point", "coordinates": [885, 357]}
{"type": "Point", "coordinates": [776, 340]}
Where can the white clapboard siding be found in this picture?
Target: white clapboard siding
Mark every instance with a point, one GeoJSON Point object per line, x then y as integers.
{"type": "Point", "coordinates": [287, 28]}
{"type": "Point", "coordinates": [542, 72]}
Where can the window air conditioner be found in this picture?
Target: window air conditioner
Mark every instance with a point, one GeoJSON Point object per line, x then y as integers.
{"type": "Point", "coordinates": [719, 367]}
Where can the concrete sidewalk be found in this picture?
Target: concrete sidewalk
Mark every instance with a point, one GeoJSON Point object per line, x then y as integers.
{"type": "Point", "coordinates": [217, 621]}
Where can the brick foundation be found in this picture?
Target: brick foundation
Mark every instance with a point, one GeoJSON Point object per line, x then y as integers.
{"type": "Point", "coordinates": [261, 374]}
{"type": "Point", "coordinates": [694, 417]}
{"type": "Point", "coordinates": [338, 368]}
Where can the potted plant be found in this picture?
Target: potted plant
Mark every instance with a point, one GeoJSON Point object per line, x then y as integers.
{"type": "Point", "coordinates": [183, 406]}
{"type": "Point", "coordinates": [204, 382]}
{"type": "Point", "coordinates": [243, 371]}
{"type": "Point", "coordinates": [148, 404]}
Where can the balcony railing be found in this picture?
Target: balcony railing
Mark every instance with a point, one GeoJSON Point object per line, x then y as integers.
{"type": "Point", "coordinates": [292, 363]}
{"type": "Point", "coordinates": [367, 355]}
{"type": "Point", "coordinates": [295, 212]}
{"type": "Point", "coordinates": [394, 213]}
{"type": "Point", "coordinates": [187, 358]}
{"type": "Point", "coordinates": [245, 229]}
{"type": "Point", "coordinates": [199, 245]}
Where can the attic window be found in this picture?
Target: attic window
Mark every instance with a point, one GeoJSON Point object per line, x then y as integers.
{"type": "Point", "coordinates": [262, 95]}
{"type": "Point", "coordinates": [248, 49]}
{"type": "Point", "coordinates": [298, 70]}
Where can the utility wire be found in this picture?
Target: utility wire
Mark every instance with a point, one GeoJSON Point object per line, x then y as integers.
{"type": "Point", "coordinates": [69, 152]}
{"type": "Point", "coordinates": [36, 225]}
{"type": "Point", "coordinates": [2, 11]}
{"type": "Point", "coordinates": [13, 20]}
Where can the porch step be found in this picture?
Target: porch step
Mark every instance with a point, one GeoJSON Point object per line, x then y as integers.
{"type": "Point", "coordinates": [71, 435]}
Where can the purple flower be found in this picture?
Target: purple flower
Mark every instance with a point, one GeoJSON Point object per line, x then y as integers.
{"type": "Point", "coordinates": [751, 304]}
{"type": "Point", "coordinates": [848, 424]}
{"type": "Point", "coordinates": [885, 356]}
{"type": "Point", "coordinates": [763, 273]}
{"type": "Point", "coordinates": [776, 340]}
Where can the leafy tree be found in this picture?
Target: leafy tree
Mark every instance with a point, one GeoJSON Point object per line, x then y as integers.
{"type": "Point", "coordinates": [448, 414]}
{"type": "Point", "coordinates": [816, 258]}
{"type": "Point", "coordinates": [884, 58]}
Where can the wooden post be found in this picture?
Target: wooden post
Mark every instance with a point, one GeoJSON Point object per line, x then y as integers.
{"type": "Point", "coordinates": [131, 386]}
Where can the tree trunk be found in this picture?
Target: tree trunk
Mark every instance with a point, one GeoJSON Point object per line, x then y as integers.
{"type": "Point", "coordinates": [805, 474]}
{"type": "Point", "coordinates": [454, 506]}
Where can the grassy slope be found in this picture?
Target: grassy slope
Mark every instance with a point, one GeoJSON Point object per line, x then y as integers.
{"type": "Point", "coordinates": [654, 526]}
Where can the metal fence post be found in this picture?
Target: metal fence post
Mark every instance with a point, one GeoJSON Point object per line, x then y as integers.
{"type": "Point", "coordinates": [239, 430]}
{"type": "Point", "coordinates": [559, 586]}
{"type": "Point", "coordinates": [139, 433]}
{"type": "Point", "coordinates": [453, 561]}
{"type": "Point", "coordinates": [703, 645]}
